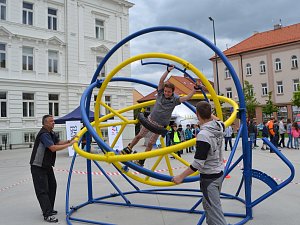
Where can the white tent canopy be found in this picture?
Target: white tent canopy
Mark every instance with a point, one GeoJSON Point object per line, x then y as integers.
{"type": "Point", "coordinates": [183, 115]}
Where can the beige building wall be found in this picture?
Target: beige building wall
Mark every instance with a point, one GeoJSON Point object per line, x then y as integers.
{"type": "Point", "coordinates": [287, 75]}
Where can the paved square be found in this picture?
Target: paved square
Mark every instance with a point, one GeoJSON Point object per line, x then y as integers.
{"type": "Point", "coordinates": [19, 205]}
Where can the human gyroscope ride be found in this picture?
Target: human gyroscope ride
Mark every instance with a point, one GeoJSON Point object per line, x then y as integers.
{"type": "Point", "coordinates": [161, 182]}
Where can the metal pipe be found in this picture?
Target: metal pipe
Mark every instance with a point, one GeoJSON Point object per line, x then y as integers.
{"type": "Point", "coordinates": [216, 57]}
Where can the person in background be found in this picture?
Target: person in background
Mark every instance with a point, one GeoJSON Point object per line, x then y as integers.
{"type": "Point", "coordinates": [188, 136]}
{"type": "Point", "coordinates": [168, 140]}
{"type": "Point", "coordinates": [256, 132]}
{"type": "Point", "coordinates": [296, 134]}
{"type": "Point", "coordinates": [195, 131]}
{"type": "Point", "coordinates": [181, 132]}
{"type": "Point", "coordinates": [208, 160]}
{"type": "Point", "coordinates": [270, 126]}
{"type": "Point", "coordinates": [276, 133]}
{"type": "Point", "coordinates": [176, 138]}
{"type": "Point", "coordinates": [42, 161]}
{"type": "Point", "coordinates": [265, 134]}
{"type": "Point", "coordinates": [251, 131]}
{"type": "Point", "coordinates": [281, 133]}
{"type": "Point", "coordinates": [228, 137]}
{"type": "Point", "coordinates": [289, 132]}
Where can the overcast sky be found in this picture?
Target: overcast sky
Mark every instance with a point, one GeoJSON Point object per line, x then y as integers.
{"type": "Point", "coordinates": [235, 20]}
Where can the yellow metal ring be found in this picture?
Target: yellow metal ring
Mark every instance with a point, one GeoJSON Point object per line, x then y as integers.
{"type": "Point", "coordinates": [155, 55]}
{"type": "Point", "coordinates": [110, 158]}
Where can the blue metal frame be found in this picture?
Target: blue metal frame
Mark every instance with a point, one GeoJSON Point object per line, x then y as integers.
{"type": "Point", "coordinates": [246, 157]}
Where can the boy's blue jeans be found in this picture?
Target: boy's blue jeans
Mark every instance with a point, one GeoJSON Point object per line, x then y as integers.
{"type": "Point", "coordinates": [290, 141]}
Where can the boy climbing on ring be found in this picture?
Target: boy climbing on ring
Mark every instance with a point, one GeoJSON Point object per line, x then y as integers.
{"type": "Point", "coordinates": [160, 116]}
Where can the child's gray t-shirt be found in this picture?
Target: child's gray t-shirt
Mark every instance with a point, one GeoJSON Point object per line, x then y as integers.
{"type": "Point", "coordinates": [163, 108]}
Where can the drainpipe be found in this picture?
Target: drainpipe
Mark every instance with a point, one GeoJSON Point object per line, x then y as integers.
{"type": "Point", "coordinates": [242, 71]}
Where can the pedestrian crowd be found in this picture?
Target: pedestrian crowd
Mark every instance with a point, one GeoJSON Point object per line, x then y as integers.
{"type": "Point", "coordinates": [178, 134]}
{"type": "Point", "coordinates": [276, 131]}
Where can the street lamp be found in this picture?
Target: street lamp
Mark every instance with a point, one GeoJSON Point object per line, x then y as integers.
{"type": "Point", "coordinates": [217, 72]}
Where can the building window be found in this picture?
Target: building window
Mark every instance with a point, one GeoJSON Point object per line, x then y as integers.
{"type": "Point", "coordinates": [107, 100]}
{"type": "Point", "coordinates": [294, 62]}
{"type": "Point", "coordinates": [99, 29]}
{"type": "Point", "coordinates": [52, 19]}
{"type": "Point", "coordinates": [28, 105]}
{"type": "Point", "coordinates": [251, 91]}
{"type": "Point", "coordinates": [262, 65]}
{"type": "Point", "coordinates": [277, 64]}
{"type": "Point", "coordinates": [2, 55]}
{"type": "Point", "coordinates": [264, 87]}
{"type": "Point", "coordinates": [296, 85]}
{"type": "Point", "coordinates": [229, 92]}
{"type": "Point", "coordinates": [27, 58]}
{"type": "Point", "coordinates": [52, 61]}
{"type": "Point", "coordinates": [248, 69]}
{"type": "Point", "coordinates": [102, 72]}
{"type": "Point", "coordinates": [104, 132]}
{"type": "Point", "coordinates": [53, 104]}
{"type": "Point", "coordinates": [3, 104]}
{"type": "Point", "coordinates": [3, 9]}
{"type": "Point", "coordinates": [29, 137]}
{"type": "Point", "coordinates": [227, 74]}
{"type": "Point", "coordinates": [282, 112]}
{"type": "Point", "coordinates": [279, 87]}
{"type": "Point", "coordinates": [27, 13]}
{"type": "Point", "coordinates": [101, 109]}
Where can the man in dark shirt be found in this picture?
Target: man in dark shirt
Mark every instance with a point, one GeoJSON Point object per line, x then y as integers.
{"type": "Point", "coordinates": [42, 161]}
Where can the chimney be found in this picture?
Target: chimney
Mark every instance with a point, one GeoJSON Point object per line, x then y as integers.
{"type": "Point", "coordinates": [277, 26]}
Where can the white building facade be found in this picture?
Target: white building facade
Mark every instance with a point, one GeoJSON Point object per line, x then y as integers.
{"type": "Point", "coordinates": [49, 51]}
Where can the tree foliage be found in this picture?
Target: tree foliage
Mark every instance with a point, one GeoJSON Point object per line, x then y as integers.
{"type": "Point", "coordinates": [251, 102]}
{"type": "Point", "coordinates": [269, 108]}
{"type": "Point", "coordinates": [296, 98]}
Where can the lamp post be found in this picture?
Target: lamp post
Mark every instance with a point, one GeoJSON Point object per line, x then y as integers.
{"type": "Point", "coordinates": [217, 72]}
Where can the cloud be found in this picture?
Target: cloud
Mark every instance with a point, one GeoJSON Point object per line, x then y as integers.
{"type": "Point", "coordinates": [235, 20]}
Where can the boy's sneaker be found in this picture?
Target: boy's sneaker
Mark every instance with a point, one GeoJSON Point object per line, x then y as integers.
{"type": "Point", "coordinates": [139, 162]}
{"type": "Point", "coordinates": [126, 151]}
{"type": "Point", "coordinates": [50, 219]}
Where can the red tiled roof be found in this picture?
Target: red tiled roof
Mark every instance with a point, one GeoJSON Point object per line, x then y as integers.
{"type": "Point", "coordinates": [280, 36]}
{"type": "Point", "coordinates": [186, 81]}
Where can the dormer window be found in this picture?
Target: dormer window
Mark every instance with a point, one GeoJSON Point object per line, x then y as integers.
{"type": "Point", "coordinates": [294, 62]}
{"type": "Point", "coordinates": [227, 74]}
{"type": "Point", "coordinates": [262, 66]}
{"type": "Point", "coordinates": [248, 69]}
{"type": "Point", "coordinates": [277, 64]}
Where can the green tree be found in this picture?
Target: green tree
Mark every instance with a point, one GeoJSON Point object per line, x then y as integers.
{"type": "Point", "coordinates": [269, 108]}
{"type": "Point", "coordinates": [296, 98]}
{"type": "Point", "coordinates": [251, 102]}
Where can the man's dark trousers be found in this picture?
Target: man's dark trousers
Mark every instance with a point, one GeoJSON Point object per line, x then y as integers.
{"type": "Point", "coordinates": [45, 188]}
